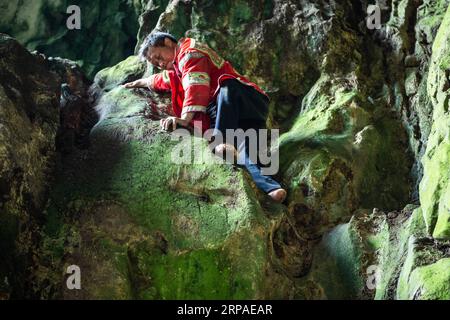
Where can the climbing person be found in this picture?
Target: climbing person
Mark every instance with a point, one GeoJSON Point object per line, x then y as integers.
{"type": "Point", "coordinates": [207, 92]}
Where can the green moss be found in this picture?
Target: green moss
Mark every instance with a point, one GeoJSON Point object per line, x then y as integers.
{"type": "Point", "coordinates": [165, 229]}
{"type": "Point", "coordinates": [336, 270]}
{"type": "Point", "coordinates": [421, 253]}
{"type": "Point", "coordinates": [393, 253]}
{"type": "Point", "coordinates": [434, 194]}
{"type": "Point", "coordinates": [402, 287]}
{"type": "Point", "coordinates": [344, 256]}
{"type": "Point", "coordinates": [442, 228]}
{"type": "Point", "coordinates": [339, 155]}
{"type": "Point", "coordinates": [125, 71]}
{"type": "Point", "coordinates": [241, 13]}
{"type": "Point", "coordinates": [107, 35]}
{"type": "Point", "coordinates": [196, 275]}
{"type": "Point", "coordinates": [325, 122]}
{"type": "Point", "coordinates": [29, 99]}
{"type": "Point", "coordinates": [432, 281]}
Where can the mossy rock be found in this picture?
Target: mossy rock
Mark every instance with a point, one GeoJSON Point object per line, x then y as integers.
{"type": "Point", "coordinates": [143, 226]}
{"type": "Point", "coordinates": [435, 185]}
{"type": "Point", "coordinates": [425, 273]}
{"type": "Point", "coordinates": [126, 71]}
{"type": "Point", "coordinates": [341, 154]}
{"type": "Point", "coordinates": [346, 259]}
{"type": "Point", "coordinates": [29, 112]}
{"type": "Point", "coordinates": [107, 35]}
{"type": "Point", "coordinates": [431, 282]}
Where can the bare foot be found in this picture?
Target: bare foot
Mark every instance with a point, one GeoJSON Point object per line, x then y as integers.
{"type": "Point", "coordinates": [226, 152]}
{"type": "Point", "coordinates": [278, 195]}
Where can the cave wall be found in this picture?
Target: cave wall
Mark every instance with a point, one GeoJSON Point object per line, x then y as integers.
{"type": "Point", "coordinates": [29, 98]}
{"type": "Point", "coordinates": [364, 121]}
{"type": "Point", "coordinates": [30, 119]}
{"type": "Point", "coordinates": [107, 36]}
{"type": "Point", "coordinates": [435, 187]}
{"type": "Point", "coordinates": [143, 227]}
{"type": "Point", "coordinates": [357, 116]}
{"type": "Point", "coordinates": [406, 40]}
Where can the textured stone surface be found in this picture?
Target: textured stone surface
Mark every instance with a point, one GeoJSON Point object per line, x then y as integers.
{"type": "Point", "coordinates": [345, 145]}
{"type": "Point", "coordinates": [431, 282]}
{"type": "Point", "coordinates": [407, 39]}
{"type": "Point", "coordinates": [29, 101]}
{"type": "Point", "coordinates": [344, 149]}
{"type": "Point", "coordinates": [346, 258]}
{"type": "Point", "coordinates": [141, 226]}
{"type": "Point", "coordinates": [435, 186]}
{"type": "Point", "coordinates": [380, 256]}
{"type": "Point", "coordinates": [107, 35]}
{"type": "Point", "coordinates": [360, 111]}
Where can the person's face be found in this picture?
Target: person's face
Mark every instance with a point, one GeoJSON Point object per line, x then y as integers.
{"type": "Point", "coordinates": [162, 57]}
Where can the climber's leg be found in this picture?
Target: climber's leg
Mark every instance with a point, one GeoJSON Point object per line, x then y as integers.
{"type": "Point", "coordinates": [265, 183]}
{"type": "Point", "coordinates": [242, 107]}
{"type": "Point", "coordinates": [238, 106]}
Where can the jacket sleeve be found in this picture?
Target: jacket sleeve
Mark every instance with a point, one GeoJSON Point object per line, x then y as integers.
{"type": "Point", "coordinates": [160, 81]}
{"type": "Point", "coordinates": [195, 71]}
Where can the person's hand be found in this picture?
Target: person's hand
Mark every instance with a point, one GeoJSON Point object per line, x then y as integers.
{"type": "Point", "coordinates": [133, 84]}
{"type": "Point", "coordinates": [140, 83]}
{"type": "Point", "coordinates": [171, 123]}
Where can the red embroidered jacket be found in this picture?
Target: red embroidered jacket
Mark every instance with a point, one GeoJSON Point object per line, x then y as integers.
{"type": "Point", "coordinates": [195, 81]}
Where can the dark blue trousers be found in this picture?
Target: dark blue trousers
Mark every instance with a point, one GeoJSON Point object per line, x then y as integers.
{"type": "Point", "coordinates": [239, 106]}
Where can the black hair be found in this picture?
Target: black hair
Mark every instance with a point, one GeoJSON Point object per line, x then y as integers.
{"type": "Point", "coordinates": [154, 39]}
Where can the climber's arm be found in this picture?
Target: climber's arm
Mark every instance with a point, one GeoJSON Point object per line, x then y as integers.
{"type": "Point", "coordinates": [196, 85]}
{"type": "Point", "coordinates": [195, 70]}
{"type": "Point", "coordinates": [157, 82]}
{"type": "Point", "coordinates": [141, 83]}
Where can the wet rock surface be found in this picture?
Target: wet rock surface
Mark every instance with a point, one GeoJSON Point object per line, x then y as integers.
{"type": "Point", "coordinates": [29, 99]}
{"type": "Point", "coordinates": [364, 121]}
{"type": "Point", "coordinates": [107, 31]}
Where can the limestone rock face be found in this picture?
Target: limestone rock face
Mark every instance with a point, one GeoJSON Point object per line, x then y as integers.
{"type": "Point", "coordinates": [107, 35]}
{"type": "Point", "coordinates": [407, 39]}
{"type": "Point", "coordinates": [343, 148]}
{"type": "Point", "coordinates": [141, 225]}
{"type": "Point", "coordinates": [383, 256]}
{"type": "Point", "coordinates": [435, 186]}
{"type": "Point", "coordinates": [357, 115]}
{"type": "Point", "coordinates": [29, 113]}
{"type": "Point", "coordinates": [364, 122]}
